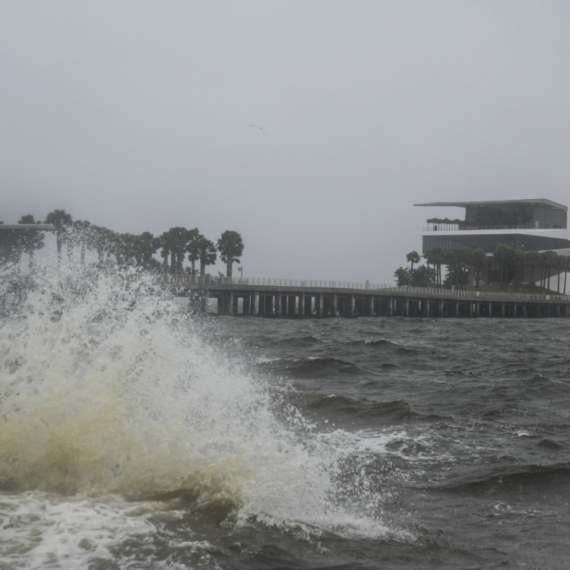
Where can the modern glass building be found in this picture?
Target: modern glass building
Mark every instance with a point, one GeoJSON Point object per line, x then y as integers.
{"type": "Point", "coordinates": [531, 225]}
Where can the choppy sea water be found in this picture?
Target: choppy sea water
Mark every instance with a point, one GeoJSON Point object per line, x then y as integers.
{"type": "Point", "coordinates": [134, 435]}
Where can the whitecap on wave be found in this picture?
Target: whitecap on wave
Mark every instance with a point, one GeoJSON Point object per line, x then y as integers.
{"type": "Point", "coordinates": [107, 387]}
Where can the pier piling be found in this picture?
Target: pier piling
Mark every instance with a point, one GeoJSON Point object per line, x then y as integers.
{"type": "Point", "coordinates": [275, 299]}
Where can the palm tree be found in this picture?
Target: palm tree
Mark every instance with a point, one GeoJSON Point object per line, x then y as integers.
{"type": "Point", "coordinates": [402, 276]}
{"type": "Point", "coordinates": [230, 246]}
{"type": "Point", "coordinates": [532, 262]}
{"type": "Point", "coordinates": [478, 258]}
{"type": "Point", "coordinates": [81, 230]}
{"type": "Point", "coordinates": [193, 249]}
{"type": "Point", "coordinates": [206, 254]}
{"type": "Point", "coordinates": [451, 259]}
{"type": "Point", "coordinates": [519, 262]}
{"type": "Point", "coordinates": [98, 239]}
{"type": "Point", "coordinates": [61, 221]}
{"type": "Point", "coordinates": [30, 240]}
{"type": "Point", "coordinates": [176, 239]}
{"type": "Point", "coordinates": [164, 245]}
{"type": "Point", "coordinates": [128, 246]}
{"type": "Point", "coordinates": [547, 262]}
{"type": "Point", "coordinates": [430, 260]}
{"type": "Point", "coordinates": [457, 261]}
{"type": "Point", "coordinates": [464, 258]}
{"type": "Point", "coordinates": [413, 257]}
{"type": "Point", "coordinates": [561, 264]}
{"type": "Point", "coordinates": [10, 246]}
{"type": "Point", "coordinates": [566, 268]}
{"type": "Point", "coordinates": [114, 245]}
{"type": "Point", "coordinates": [145, 246]}
{"type": "Point", "coordinates": [505, 255]}
{"type": "Point", "coordinates": [423, 276]}
{"type": "Point", "coordinates": [436, 257]}
{"type": "Point", "coordinates": [193, 257]}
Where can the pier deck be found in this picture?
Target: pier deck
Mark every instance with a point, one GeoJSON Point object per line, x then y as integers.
{"type": "Point", "coordinates": [318, 299]}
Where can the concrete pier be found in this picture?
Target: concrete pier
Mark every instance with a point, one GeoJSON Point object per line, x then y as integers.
{"type": "Point", "coordinates": [246, 298]}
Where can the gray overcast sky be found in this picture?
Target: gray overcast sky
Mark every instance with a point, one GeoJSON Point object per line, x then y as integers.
{"type": "Point", "coordinates": [137, 115]}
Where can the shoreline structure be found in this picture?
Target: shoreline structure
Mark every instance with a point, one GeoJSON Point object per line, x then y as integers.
{"type": "Point", "coordinates": [282, 298]}
{"type": "Point", "coordinates": [540, 223]}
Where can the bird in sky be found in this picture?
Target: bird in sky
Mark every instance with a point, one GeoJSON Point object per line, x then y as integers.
{"type": "Point", "coordinates": [258, 127]}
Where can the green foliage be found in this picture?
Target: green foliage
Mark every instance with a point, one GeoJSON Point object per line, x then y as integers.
{"type": "Point", "coordinates": [121, 248]}
{"type": "Point", "coordinates": [466, 265]}
{"type": "Point", "coordinates": [175, 243]}
{"type": "Point", "coordinates": [547, 262]}
{"type": "Point", "coordinates": [30, 240]}
{"type": "Point", "coordinates": [413, 257]}
{"type": "Point", "coordinates": [436, 258]}
{"type": "Point", "coordinates": [421, 276]}
{"type": "Point", "coordinates": [478, 261]}
{"type": "Point", "coordinates": [10, 246]}
{"type": "Point", "coordinates": [402, 276]}
{"type": "Point", "coordinates": [457, 262]}
{"type": "Point", "coordinates": [193, 250]}
{"type": "Point", "coordinates": [206, 254]}
{"type": "Point", "coordinates": [230, 246]}
{"type": "Point", "coordinates": [60, 219]}
{"type": "Point", "coordinates": [62, 222]}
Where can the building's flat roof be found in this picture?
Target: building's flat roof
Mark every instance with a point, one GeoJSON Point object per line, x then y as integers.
{"type": "Point", "coordinates": [542, 201]}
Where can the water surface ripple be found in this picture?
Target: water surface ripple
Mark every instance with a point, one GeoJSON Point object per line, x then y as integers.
{"type": "Point", "coordinates": [134, 435]}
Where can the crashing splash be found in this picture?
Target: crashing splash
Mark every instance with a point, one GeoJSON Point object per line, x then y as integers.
{"type": "Point", "coordinates": [107, 386]}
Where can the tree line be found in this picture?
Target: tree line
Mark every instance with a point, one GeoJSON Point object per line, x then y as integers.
{"type": "Point", "coordinates": [79, 236]}
{"type": "Point", "coordinates": [467, 264]}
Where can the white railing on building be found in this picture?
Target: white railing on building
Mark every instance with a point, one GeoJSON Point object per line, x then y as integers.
{"type": "Point", "coordinates": [461, 228]}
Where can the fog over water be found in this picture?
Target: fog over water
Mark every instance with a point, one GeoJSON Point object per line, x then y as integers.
{"type": "Point", "coordinates": [310, 128]}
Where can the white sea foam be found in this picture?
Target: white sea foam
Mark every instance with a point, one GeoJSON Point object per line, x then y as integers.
{"type": "Point", "coordinates": [106, 387]}
{"type": "Point", "coordinates": [267, 359]}
{"type": "Point", "coordinates": [41, 531]}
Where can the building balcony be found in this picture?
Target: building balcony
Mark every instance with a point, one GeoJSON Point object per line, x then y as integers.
{"type": "Point", "coordinates": [460, 227]}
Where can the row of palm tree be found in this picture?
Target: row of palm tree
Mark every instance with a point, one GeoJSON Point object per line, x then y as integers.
{"type": "Point", "coordinates": [514, 262]}
{"type": "Point", "coordinates": [466, 263]}
{"type": "Point", "coordinates": [13, 243]}
{"type": "Point", "coordinates": [174, 246]}
{"type": "Point", "coordinates": [460, 264]}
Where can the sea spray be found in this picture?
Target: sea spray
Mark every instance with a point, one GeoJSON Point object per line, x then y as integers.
{"type": "Point", "coordinates": [106, 386]}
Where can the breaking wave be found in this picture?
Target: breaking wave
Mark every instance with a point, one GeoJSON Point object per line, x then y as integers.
{"type": "Point", "coordinates": [107, 386]}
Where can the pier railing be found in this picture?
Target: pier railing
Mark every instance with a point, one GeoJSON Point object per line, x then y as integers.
{"type": "Point", "coordinates": [209, 282]}
{"type": "Point", "coordinates": [484, 294]}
